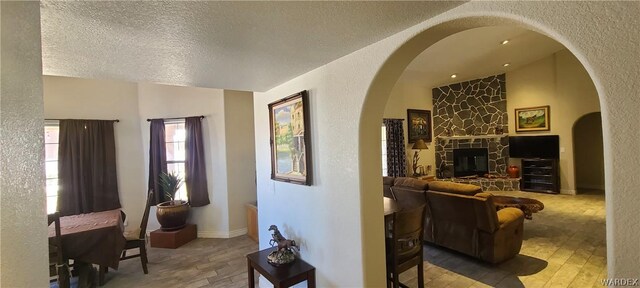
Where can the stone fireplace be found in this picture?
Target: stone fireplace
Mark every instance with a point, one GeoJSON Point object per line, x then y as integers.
{"type": "Point", "coordinates": [465, 116]}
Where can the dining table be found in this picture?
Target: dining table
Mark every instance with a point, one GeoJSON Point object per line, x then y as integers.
{"type": "Point", "coordinates": [92, 238]}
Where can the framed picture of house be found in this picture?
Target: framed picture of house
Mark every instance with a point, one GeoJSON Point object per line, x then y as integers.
{"type": "Point", "coordinates": [419, 125]}
{"type": "Point", "coordinates": [290, 141]}
{"type": "Point", "coordinates": [533, 119]}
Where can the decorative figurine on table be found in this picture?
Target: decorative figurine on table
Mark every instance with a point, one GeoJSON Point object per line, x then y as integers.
{"type": "Point", "coordinates": [286, 251]}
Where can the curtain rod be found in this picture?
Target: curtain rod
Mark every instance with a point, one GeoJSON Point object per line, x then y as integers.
{"type": "Point", "coordinates": [392, 119]}
{"type": "Point", "coordinates": [114, 120]}
{"type": "Point", "coordinates": [176, 118]}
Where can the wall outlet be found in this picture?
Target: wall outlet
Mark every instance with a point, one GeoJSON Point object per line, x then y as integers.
{"type": "Point", "coordinates": [561, 149]}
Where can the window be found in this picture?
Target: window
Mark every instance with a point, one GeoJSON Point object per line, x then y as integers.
{"type": "Point", "coordinates": [175, 136]}
{"type": "Point", "coordinates": [384, 150]}
{"type": "Point", "coordinates": [51, 133]}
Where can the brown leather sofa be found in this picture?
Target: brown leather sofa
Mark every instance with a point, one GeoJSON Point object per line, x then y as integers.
{"type": "Point", "coordinates": [462, 218]}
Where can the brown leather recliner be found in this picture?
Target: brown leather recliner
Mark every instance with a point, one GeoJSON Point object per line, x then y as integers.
{"type": "Point", "coordinates": [471, 225]}
{"type": "Point", "coordinates": [460, 217]}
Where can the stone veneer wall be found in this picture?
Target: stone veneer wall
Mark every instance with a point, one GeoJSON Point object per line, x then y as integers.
{"type": "Point", "coordinates": [473, 107]}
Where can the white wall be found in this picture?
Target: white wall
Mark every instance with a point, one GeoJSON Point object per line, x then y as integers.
{"type": "Point", "coordinates": [75, 98]}
{"type": "Point", "coordinates": [324, 218]}
{"type": "Point", "coordinates": [241, 157]}
{"type": "Point", "coordinates": [164, 101]}
{"type": "Point", "coordinates": [411, 94]}
{"type": "Point", "coordinates": [23, 229]}
{"type": "Point", "coordinates": [344, 205]}
{"type": "Point", "coordinates": [229, 157]}
{"type": "Point", "coordinates": [561, 82]}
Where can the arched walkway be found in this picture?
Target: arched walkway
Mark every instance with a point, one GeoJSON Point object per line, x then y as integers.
{"type": "Point", "coordinates": [371, 117]}
{"type": "Point", "coordinates": [588, 153]}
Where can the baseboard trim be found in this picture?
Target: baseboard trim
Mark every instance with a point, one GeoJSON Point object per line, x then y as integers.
{"type": "Point", "coordinates": [568, 191]}
{"type": "Point", "coordinates": [592, 187]}
{"type": "Point", "coordinates": [222, 234]}
{"type": "Point", "coordinates": [237, 232]}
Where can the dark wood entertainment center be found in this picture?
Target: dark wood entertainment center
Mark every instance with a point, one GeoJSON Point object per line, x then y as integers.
{"type": "Point", "coordinates": [540, 175]}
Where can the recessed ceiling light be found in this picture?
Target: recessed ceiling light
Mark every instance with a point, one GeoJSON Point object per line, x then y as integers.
{"type": "Point", "coordinates": [506, 64]}
{"type": "Point", "coordinates": [454, 75]}
{"type": "Point", "coordinates": [504, 41]}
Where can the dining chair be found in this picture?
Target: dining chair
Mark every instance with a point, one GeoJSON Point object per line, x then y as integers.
{"type": "Point", "coordinates": [136, 239]}
{"type": "Point", "coordinates": [404, 247]}
{"type": "Point", "coordinates": [58, 265]}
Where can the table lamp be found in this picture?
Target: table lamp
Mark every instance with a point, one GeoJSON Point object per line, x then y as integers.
{"type": "Point", "coordinates": [418, 145]}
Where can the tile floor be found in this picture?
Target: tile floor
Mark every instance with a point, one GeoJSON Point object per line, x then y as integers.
{"type": "Point", "coordinates": [564, 246]}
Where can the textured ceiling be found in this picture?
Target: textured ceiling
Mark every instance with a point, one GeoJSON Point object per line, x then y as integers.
{"type": "Point", "coordinates": [233, 45]}
{"type": "Point", "coordinates": [478, 52]}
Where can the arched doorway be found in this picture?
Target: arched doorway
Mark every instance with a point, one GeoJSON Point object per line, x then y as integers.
{"type": "Point", "coordinates": [589, 154]}
{"type": "Point", "coordinates": [371, 117]}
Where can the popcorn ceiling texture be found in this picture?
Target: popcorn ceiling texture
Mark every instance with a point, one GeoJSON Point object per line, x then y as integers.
{"type": "Point", "coordinates": [344, 204]}
{"type": "Point", "coordinates": [248, 46]}
{"type": "Point", "coordinates": [23, 229]}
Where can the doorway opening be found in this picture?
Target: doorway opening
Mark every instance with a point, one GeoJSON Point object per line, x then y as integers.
{"type": "Point", "coordinates": [409, 81]}
{"type": "Point", "coordinates": [589, 154]}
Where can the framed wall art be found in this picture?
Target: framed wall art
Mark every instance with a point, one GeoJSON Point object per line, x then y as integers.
{"type": "Point", "coordinates": [419, 125]}
{"type": "Point", "coordinates": [533, 119]}
{"type": "Point", "coordinates": [290, 141]}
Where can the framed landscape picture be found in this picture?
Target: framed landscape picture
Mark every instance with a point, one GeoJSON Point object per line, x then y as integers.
{"type": "Point", "coordinates": [289, 128]}
{"type": "Point", "coordinates": [419, 125]}
{"type": "Point", "coordinates": [533, 119]}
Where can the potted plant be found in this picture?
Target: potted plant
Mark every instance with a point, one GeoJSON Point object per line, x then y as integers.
{"type": "Point", "coordinates": [172, 214]}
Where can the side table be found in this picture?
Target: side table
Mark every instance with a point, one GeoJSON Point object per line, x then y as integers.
{"type": "Point", "coordinates": [282, 276]}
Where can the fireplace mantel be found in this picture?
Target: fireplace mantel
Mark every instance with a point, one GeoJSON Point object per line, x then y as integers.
{"type": "Point", "coordinates": [471, 137]}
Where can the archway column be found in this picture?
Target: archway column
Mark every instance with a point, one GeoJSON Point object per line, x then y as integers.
{"type": "Point", "coordinates": [573, 25]}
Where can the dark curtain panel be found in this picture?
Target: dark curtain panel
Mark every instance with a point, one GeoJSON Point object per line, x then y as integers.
{"type": "Point", "coordinates": [195, 170]}
{"type": "Point", "coordinates": [157, 159]}
{"type": "Point", "coordinates": [396, 156]}
{"type": "Point", "coordinates": [87, 167]}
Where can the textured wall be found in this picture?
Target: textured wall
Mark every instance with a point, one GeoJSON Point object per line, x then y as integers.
{"type": "Point", "coordinates": [603, 37]}
{"type": "Point", "coordinates": [473, 107]}
{"type": "Point", "coordinates": [23, 229]}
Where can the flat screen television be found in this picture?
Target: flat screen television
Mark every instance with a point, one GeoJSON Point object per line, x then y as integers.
{"type": "Point", "coordinates": [547, 146]}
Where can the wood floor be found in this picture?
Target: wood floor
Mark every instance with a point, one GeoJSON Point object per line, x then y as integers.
{"type": "Point", "coordinates": [219, 263]}
{"type": "Point", "coordinates": [564, 246]}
